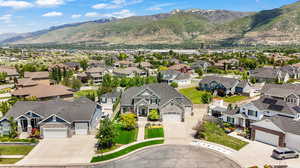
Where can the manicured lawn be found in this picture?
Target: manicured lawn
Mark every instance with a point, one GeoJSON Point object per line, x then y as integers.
{"type": "Point", "coordinates": [83, 93]}
{"type": "Point", "coordinates": [9, 161]}
{"type": "Point", "coordinates": [126, 150]}
{"type": "Point", "coordinates": [126, 137]}
{"type": "Point", "coordinates": [15, 149]}
{"type": "Point", "coordinates": [213, 133]}
{"type": "Point", "coordinates": [109, 149]}
{"type": "Point", "coordinates": [154, 133]}
{"type": "Point", "coordinates": [193, 94]}
{"type": "Point", "coordinates": [235, 99]}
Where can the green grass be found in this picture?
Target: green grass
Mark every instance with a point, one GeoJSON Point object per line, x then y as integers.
{"type": "Point", "coordinates": [109, 149]}
{"type": "Point", "coordinates": [15, 149]}
{"type": "Point", "coordinates": [235, 99]}
{"type": "Point", "coordinates": [213, 133]}
{"type": "Point", "coordinates": [193, 94]}
{"type": "Point", "coordinates": [124, 136]}
{"type": "Point", "coordinates": [154, 133]}
{"type": "Point", "coordinates": [83, 93]}
{"type": "Point", "coordinates": [126, 151]}
{"type": "Point", "coordinates": [10, 161]}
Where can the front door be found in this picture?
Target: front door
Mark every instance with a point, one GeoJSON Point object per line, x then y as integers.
{"type": "Point", "coordinates": [143, 112]}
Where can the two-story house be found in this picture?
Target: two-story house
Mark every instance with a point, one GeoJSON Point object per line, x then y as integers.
{"type": "Point", "coordinates": [172, 105]}
{"type": "Point", "coordinates": [108, 100]}
{"type": "Point", "coordinates": [203, 65]}
{"type": "Point", "coordinates": [129, 72]}
{"type": "Point", "coordinates": [269, 75]}
{"type": "Point", "coordinates": [96, 74]}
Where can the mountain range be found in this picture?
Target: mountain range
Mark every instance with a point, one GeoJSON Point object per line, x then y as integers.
{"type": "Point", "coordinates": [268, 27]}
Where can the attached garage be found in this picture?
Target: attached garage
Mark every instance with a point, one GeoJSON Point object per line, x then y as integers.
{"type": "Point", "coordinates": [267, 138]}
{"type": "Point", "coordinates": [171, 117]}
{"type": "Point", "coordinates": [55, 132]}
{"type": "Point", "coordinates": [292, 141]}
{"type": "Point", "coordinates": [81, 128]}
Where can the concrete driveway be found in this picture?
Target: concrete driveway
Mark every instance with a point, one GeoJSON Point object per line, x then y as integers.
{"type": "Point", "coordinates": [257, 153]}
{"type": "Point", "coordinates": [78, 149]}
{"type": "Point", "coordinates": [182, 132]}
{"type": "Point", "coordinates": [173, 156]}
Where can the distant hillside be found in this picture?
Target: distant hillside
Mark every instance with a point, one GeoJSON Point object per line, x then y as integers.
{"type": "Point", "coordinates": [276, 26]}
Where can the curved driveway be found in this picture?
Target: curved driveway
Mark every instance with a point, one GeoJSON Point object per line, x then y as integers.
{"type": "Point", "coordinates": [173, 156]}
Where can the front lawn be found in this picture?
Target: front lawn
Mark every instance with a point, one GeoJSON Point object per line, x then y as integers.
{"type": "Point", "coordinates": [235, 99]}
{"type": "Point", "coordinates": [125, 136]}
{"type": "Point", "coordinates": [126, 150]}
{"type": "Point", "coordinates": [193, 94]}
{"type": "Point", "coordinates": [213, 133]}
{"type": "Point", "coordinates": [154, 133]}
{"type": "Point", "coordinates": [15, 149]}
{"type": "Point", "coordinates": [10, 160]}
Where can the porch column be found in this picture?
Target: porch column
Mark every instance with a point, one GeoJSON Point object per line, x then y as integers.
{"type": "Point", "coordinates": [29, 127]}
{"type": "Point", "coordinates": [19, 129]}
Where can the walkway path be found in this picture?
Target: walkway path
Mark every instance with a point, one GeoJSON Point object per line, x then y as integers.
{"type": "Point", "coordinates": [11, 156]}
{"type": "Point", "coordinates": [141, 123]}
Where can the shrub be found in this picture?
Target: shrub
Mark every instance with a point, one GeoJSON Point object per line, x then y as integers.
{"type": "Point", "coordinates": [174, 85]}
{"type": "Point", "coordinates": [206, 98]}
{"type": "Point", "coordinates": [153, 115]}
{"type": "Point", "coordinates": [128, 121]}
{"type": "Point", "coordinates": [106, 134]}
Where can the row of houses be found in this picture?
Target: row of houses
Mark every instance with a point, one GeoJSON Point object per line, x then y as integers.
{"type": "Point", "coordinates": [274, 118]}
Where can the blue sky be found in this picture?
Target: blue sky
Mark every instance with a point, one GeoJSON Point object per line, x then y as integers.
{"type": "Point", "coordinates": [32, 15]}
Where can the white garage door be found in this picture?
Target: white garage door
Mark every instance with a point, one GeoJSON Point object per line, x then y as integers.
{"type": "Point", "coordinates": [267, 138]}
{"type": "Point", "coordinates": [172, 117]}
{"type": "Point", "coordinates": [292, 141]}
{"type": "Point", "coordinates": [81, 128]}
{"type": "Point", "coordinates": [55, 132]}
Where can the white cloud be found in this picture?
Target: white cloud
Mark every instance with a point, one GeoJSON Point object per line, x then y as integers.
{"type": "Point", "coordinates": [160, 6]}
{"type": "Point", "coordinates": [75, 16]}
{"type": "Point", "coordinates": [116, 4]}
{"type": "Point", "coordinates": [6, 18]}
{"type": "Point", "coordinates": [49, 3]}
{"type": "Point", "coordinates": [52, 14]}
{"type": "Point", "coordinates": [15, 4]}
{"type": "Point", "coordinates": [121, 14]}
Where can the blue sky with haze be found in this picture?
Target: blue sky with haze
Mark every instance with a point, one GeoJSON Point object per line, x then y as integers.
{"type": "Point", "coordinates": [32, 15]}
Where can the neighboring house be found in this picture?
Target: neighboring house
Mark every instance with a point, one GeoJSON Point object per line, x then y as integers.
{"type": "Point", "coordinates": [129, 72]}
{"type": "Point", "coordinates": [44, 92]}
{"type": "Point", "coordinates": [108, 100]}
{"type": "Point", "coordinates": [123, 64]}
{"type": "Point", "coordinates": [227, 64]}
{"type": "Point", "coordinates": [73, 65]}
{"type": "Point", "coordinates": [224, 86]}
{"type": "Point", "coordinates": [38, 77]}
{"type": "Point", "coordinates": [203, 65]}
{"type": "Point", "coordinates": [172, 105]}
{"type": "Point", "coordinates": [54, 118]}
{"type": "Point", "coordinates": [269, 75]}
{"type": "Point", "coordinates": [287, 92]}
{"type": "Point", "coordinates": [96, 74]}
{"type": "Point", "coordinates": [182, 79]}
{"type": "Point", "coordinates": [293, 71]}
{"type": "Point", "coordinates": [254, 111]}
{"type": "Point", "coordinates": [145, 65]}
{"type": "Point", "coordinates": [181, 68]}
{"type": "Point", "coordinates": [10, 71]}
{"type": "Point", "coordinates": [277, 131]}
{"type": "Point", "coordinates": [25, 82]}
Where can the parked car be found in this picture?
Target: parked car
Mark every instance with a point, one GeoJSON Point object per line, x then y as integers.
{"type": "Point", "coordinates": [284, 153]}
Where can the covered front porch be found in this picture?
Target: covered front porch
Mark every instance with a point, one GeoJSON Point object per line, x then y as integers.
{"type": "Point", "coordinates": [27, 122]}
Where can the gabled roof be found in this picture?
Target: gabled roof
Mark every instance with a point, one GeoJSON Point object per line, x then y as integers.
{"type": "Point", "coordinates": [163, 90]}
{"type": "Point", "coordinates": [81, 109]}
{"type": "Point", "coordinates": [37, 75]}
{"type": "Point", "coordinates": [280, 90]}
{"type": "Point", "coordinates": [281, 124]}
{"type": "Point", "coordinates": [278, 105]}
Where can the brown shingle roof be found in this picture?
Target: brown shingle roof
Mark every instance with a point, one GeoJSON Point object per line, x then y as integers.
{"type": "Point", "coordinates": [43, 91]}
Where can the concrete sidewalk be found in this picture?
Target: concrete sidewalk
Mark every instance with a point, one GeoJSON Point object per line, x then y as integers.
{"type": "Point", "coordinates": [11, 156]}
{"type": "Point", "coordinates": [141, 123]}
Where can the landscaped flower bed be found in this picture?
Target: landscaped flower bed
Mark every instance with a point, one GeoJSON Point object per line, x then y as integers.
{"type": "Point", "coordinates": [154, 131]}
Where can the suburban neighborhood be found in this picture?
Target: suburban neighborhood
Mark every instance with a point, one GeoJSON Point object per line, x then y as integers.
{"type": "Point", "coordinates": [93, 107]}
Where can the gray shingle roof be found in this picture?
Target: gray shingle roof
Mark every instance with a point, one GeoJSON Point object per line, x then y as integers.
{"type": "Point", "coordinates": [226, 82]}
{"type": "Point", "coordinates": [278, 105]}
{"type": "Point", "coordinates": [280, 123]}
{"type": "Point", "coordinates": [163, 90]}
{"type": "Point", "coordinates": [80, 109]}
{"type": "Point", "coordinates": [280, 89]}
